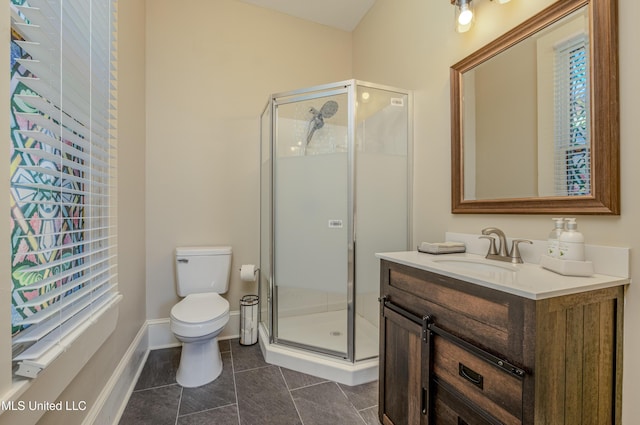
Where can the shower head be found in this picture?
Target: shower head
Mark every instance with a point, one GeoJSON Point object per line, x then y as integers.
{"type": "Point", "coordinates": [327, 110]}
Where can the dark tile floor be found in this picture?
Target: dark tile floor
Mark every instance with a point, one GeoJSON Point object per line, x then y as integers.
{"type": "Point", "coordinates": [249, 391]}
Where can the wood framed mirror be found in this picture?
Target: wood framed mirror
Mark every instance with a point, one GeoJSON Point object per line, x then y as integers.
{"type": "Point", "coordinates": [564, 153]}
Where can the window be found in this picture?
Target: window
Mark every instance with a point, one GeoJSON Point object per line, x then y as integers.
{"type": "Point", "coordinates": [62, 174]}
{"type": "Point", "coordinates": [573, 142]}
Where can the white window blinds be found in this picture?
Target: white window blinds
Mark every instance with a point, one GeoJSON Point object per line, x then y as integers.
{"type": "Point", "coordinates": [62, 174]}
{"type": "Point", "coordinates": [572, 127]}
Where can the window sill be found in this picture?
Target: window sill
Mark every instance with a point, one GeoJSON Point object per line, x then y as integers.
{"type": "Point", "coordinates": [47, 387]}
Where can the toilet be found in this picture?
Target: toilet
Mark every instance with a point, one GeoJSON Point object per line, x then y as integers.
{"type": "Point", "coordinates": [202, 274]}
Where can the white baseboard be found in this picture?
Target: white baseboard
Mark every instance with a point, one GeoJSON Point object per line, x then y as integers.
{"type": "Point", "coordinates": [160, 335]}
{"type": "Point", "coordinates": [114, 396]}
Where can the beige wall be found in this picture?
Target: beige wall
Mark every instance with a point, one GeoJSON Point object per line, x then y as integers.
{"type": "Point", "coordinates": [411, 44]}
{"type": "Point", "coordinates": [209, 74]}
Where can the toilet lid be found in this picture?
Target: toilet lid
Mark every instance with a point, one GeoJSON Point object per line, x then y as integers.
{"type": "Point", "coordinates": [199, 308]}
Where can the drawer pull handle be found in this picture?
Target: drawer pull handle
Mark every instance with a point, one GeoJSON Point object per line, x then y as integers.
{"type": "Point", "coordinates": [423, 401]}
{"type": "Point", "coordinates": [470, 375]}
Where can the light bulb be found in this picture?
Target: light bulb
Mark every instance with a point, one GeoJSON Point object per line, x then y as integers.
{"type": "Point", "coordinates": [466, 15]}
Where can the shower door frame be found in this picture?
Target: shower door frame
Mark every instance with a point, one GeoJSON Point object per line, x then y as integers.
{"type": "Point", "coordinates": [326, 90]}
{"type": "Point", "coordinates": [350, 88]}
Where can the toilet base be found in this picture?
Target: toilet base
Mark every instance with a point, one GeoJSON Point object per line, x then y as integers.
{"type": "Point", "coordinates": [200, 363]}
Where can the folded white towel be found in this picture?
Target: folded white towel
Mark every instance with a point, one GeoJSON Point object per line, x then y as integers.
{"type": "Point", "coordinates": [442, 247]}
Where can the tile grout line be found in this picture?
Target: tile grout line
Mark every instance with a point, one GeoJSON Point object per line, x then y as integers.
{"type": "Point", "coordinates": [235, 386]}
{"type": "Point", "coordinates": [154, 388]}
{"type": "Point", "coordinates": [256, 368]}
{"type": "Point", "coordinates": [178, 409]}
{"type": "Point", "coordinates": [207, 410]}
{"type": "Point", "coordinates": [351, 403]}
{"type": "Point", "coordinates": [295, 406]}
{"type": "Point", "coordinates": [307, 386]}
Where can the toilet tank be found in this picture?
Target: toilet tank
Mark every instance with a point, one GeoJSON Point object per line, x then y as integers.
{"type": "Point", "coordinates": [202, 269]}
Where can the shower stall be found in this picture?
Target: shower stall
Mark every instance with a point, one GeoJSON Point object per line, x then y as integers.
{"type": "Point", "coordinates": [335, 189]}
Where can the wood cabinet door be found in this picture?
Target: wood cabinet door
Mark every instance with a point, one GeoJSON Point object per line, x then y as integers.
{"type": "Point", "coordinates": [401, 398]}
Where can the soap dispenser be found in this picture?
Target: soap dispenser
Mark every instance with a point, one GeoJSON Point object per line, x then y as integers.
{"type": "Point", "coordinates": [571, 242]}
{"type": "Point", "coordinates": [553, 241]}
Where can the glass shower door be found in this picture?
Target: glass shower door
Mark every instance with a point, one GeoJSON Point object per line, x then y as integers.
{"type": "Point", "coordinates": [311, 221]}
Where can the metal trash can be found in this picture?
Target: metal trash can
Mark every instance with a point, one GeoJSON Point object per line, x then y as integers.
{"type": "Point", "coordinates": [249, 319]}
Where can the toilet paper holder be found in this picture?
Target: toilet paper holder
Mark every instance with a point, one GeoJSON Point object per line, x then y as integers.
{"type": "Point", "coordinates": [249, 272]}
{"type": "Point", "coordinates": [256, 270]}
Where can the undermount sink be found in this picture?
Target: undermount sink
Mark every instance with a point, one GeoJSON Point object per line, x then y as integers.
{"type": "Point", "coordinates": [476, 265]}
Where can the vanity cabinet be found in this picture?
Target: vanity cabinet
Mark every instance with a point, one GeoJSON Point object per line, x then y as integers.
{"type": "Point", "coordinates": [459, 353]}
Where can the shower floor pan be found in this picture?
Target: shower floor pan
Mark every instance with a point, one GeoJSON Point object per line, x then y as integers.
{"type": "Point", "coordinates": [327, 330]}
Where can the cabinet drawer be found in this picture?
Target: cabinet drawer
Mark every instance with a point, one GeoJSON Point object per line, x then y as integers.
{"type": "Point", "coordinates": [444, 292]}
{"type": "Point", "coordinates": [490, 319]}
{"type": "Point", "coordinates": [451, 410]}
{"type": "Point", "coordinates": [485, 385]}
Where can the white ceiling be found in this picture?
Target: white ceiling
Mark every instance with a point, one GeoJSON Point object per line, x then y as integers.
{"type": "Point", "coordinates": [341, 14]}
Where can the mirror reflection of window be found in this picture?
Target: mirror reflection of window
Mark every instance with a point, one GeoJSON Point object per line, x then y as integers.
{"type": "Point", "coordinates": [563, 92]}
{"type": "Point", "coordinates": [572, 141]}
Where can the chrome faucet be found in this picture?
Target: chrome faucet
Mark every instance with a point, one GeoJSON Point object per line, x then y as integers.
{"type": "Point", "coordinates": [500, 253]}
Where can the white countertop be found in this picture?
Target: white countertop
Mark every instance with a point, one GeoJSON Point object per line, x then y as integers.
{"type": "Point", "coordinates": [526, 280]}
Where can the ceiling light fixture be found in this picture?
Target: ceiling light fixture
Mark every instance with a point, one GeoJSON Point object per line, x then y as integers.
{"type": "Point", "coordinates": [465, 15]}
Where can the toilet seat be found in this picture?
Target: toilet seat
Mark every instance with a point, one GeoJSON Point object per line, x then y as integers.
{"type": "Point", "coordinates": [199, 315]}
